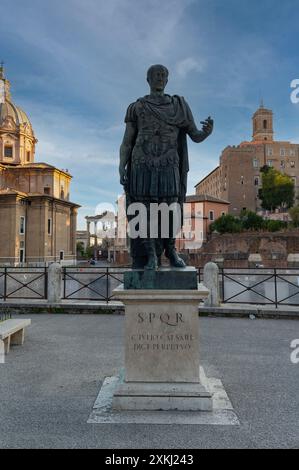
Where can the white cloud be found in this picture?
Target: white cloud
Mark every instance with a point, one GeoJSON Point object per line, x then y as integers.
{"type": "Point", "coordinates": [185, 66]}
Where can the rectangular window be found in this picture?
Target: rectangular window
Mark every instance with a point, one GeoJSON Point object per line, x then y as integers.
{"type": "Point", "coordinates": [22, 255]}
{"type": "Point", "coordinates": [292, 152]}
{"type": "Point", "coordinates": [282, 164]}
{"type": "Point", "coordinates": [211, 215]}
{"type": "Point", "coordinates": [270, 151]}
{"type": "Point", "coordinates": [8, 151]}
{"type": "Point", "coordinates": [61, 255]}
{"type": "Point", "coordinates": [256, 163]}
{"type": "Point", "coordinates": [49, 226]}
{"type": "Point", "coordinates": [28, 156]}
{"type": "Point", "coordinates": [270, 163]}
{"type": "Point", "coordinates": [47, 191]}
{"type": "Point", "coordinates": [282, 152]}
{"type": "Point", "coordinates": [256, 181]}
{"type": "Point", "coordinates": [292, 164]}
{"type": "Point", "coordinates": [22, 225]}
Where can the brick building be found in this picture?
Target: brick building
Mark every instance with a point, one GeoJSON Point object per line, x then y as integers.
{"type": "Point", "coordinates": [237, 179]}
{"type": "Point", "coordinates": [200, 211]}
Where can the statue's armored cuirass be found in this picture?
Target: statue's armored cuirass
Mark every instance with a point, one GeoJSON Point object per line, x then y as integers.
{"type": "Point", "coordinates": [155, 159]}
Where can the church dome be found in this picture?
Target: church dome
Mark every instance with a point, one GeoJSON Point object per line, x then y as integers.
{"type": "Point", "coordinates": [9, 111]}
{"type": "Point", "coordinates": [10, 114]}
{"type": "Point", "coordinates": [17, 140]}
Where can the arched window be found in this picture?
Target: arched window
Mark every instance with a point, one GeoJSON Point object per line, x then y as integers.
{"type": "Point", "coordinates": [265, 124]}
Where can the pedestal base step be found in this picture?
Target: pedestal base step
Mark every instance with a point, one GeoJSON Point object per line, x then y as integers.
{"type": "Point", "coordinates": [222, 414]}
{"type": "Point", "coordinates": [139, 396]}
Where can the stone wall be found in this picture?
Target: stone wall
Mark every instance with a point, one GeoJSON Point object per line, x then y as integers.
{"type": "Point", "coordinates": [234, 250]}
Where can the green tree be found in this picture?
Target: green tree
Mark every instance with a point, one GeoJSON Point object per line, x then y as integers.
{"type": "Point", "coordinates": [80, 248]}
{"type": "Point", "coordinates": [277, 189]}
{"type": "Point", "coordinates": [90, 252]}
{"type": "Point", "coordinates": [294, 213]}
{"type": "Point", "coordinates": [275, 225]}
{"type": "Point", "coordinates": [226, 224]}
{"type": "Point", "coordinates": [251, 221]}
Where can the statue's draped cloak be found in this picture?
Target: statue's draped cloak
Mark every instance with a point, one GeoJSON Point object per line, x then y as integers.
{"type": "Point", "coordinates": [173, 111]}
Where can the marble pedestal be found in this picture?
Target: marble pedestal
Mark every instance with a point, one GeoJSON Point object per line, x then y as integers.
{"type": "Point", "coordinates": [161, 351]}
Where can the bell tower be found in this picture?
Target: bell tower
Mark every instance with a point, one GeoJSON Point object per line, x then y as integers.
{"type": "Point", "coordinates": [262, 122]}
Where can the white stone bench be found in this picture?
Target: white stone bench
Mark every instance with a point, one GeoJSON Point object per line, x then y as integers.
{"type": "Point", "coordinates": [12, 332]}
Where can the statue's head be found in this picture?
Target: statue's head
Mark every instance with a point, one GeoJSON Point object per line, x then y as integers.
{"type": "Point", "coordinates": [157, 77]}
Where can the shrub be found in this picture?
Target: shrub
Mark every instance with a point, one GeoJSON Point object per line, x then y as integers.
{"type": "Point", "coordinates": [248, 220]}
{"type": "Point", "coordinates": [294, 213]}
{"type": "Point", "coordinates": [227, 224]}
{"type": "Point", "coordinates": [275, 225]}
{"type": "Point", "coordinates": [251, 221]}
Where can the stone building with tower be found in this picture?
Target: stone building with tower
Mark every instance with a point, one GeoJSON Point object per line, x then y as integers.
{"type": "Point", "coordinates": [37, 219]}
{"type": "Point", "coordinates": [237, 179]}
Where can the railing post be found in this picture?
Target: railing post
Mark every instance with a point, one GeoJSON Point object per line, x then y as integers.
{"type": "Point", "coordinates": [64, 281]}
{"type": "Point", "coordinates": [275, 287]}
{"type": "Point", "coordinates": [46, 283]}
{"type": "Point", "coordinates": [54, 283]}
{"type": "Point", "coordinates": [107, 285]}
{"type": "Point", "coordinates": [211, 281]}
{"type": "Point", "coordinates": [5, 284]}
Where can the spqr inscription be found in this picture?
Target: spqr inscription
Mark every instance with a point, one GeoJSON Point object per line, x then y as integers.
{"type": "Point", "coordinates": [170, 319]}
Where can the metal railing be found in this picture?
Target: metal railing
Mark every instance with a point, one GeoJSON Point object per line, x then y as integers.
{"type": "Point", "coordinates": [91, 283]}
{"type": "Point", "coordinates": [262, 286]}
{"type": "Point", "coordinates": [23, 283]}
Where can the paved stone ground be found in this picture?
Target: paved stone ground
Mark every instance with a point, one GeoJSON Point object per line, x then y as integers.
{"type": "Point", "coordinates": [49, 385]}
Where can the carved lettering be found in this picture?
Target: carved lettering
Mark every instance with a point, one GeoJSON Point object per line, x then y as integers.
{"type": "Point", "coordinates": [170, 319]}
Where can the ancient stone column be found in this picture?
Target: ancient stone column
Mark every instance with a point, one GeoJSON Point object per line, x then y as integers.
{"type": "Point", "coordinates": [54, 283]}
{"type": "Point", "coordinates": [211, 281]}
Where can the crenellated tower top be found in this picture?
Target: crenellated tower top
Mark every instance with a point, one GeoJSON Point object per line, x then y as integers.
{"type": "Point", "coordinates": [262, 121]}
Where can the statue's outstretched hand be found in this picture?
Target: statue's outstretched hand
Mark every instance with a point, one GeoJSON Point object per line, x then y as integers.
{"type": "Point", "coordinates": [207, 126]}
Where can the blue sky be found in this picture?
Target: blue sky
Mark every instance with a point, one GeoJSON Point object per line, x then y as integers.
{"type": "Point", "coordinates": [75, 65]}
